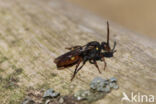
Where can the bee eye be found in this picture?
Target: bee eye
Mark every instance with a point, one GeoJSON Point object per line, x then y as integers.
{"type": "Point", "coordinates": [97, 48]}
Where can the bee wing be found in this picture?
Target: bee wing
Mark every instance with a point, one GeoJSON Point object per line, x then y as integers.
{"type": "Point", "coordinates": [74, 47]}
{"type": "Point", "coordinates": [72, 57]}
{"type": "Point", "coordinates": [90, 47]}
{"type": "Point", "coordinates": [68, 59]}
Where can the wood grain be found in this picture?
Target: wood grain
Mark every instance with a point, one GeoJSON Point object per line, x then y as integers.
{"type": "Point", "coordinates": [34, 32]}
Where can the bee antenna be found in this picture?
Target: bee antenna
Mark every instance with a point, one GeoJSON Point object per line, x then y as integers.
{"type": "Point", "coordinates": [114, 47]}
{"type": "Point", "coordinates": [107, 33]}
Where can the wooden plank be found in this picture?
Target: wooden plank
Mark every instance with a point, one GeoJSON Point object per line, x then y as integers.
{"type": "Point", "coordinates": [34, 32]}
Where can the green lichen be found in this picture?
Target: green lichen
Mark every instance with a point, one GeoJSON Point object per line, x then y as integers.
{"type": "Point", "coordinates": [45, 85]}
{"type": "Point", "coordinates": [16, 96]}
{"type": "Point", "coordinates": [3, 59]}
{"type": "Point", "coordinates": [11, 93]}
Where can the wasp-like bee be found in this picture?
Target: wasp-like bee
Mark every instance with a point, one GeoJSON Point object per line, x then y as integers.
{"type": "Point", "coordinates": [92, 52]}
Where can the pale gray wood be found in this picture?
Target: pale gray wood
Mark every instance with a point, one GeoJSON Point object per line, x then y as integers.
{"type": "Point", "coordinates": [34, 32]}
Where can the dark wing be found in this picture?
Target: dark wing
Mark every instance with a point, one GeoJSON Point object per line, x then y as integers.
{"type": "Point", "coordinates": [68, 59]}
{"type": "Point", "coordinates": [86, 47]}
{"type": "Point", "coordinates": [74, 47]}
{"type": "Point", "coordinates": [72, 57]}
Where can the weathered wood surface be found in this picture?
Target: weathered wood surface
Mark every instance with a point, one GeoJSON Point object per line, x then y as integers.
{"type": "Point", "coordinates": [34, 32]}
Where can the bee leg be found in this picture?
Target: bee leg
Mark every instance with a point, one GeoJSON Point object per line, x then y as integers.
{"type": "Point", "coordinates": [96, 65]}
{"type": "Point", "coordinates": [105, 64]}
{"type": "Point", "coordinates": [76, 70]}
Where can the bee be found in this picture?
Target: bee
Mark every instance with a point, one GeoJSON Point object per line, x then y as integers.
{"type": "Point", "coordinates": [93, 51]}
